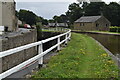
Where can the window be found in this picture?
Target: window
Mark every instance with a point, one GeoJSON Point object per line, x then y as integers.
{"type": "Point", "coordinates": [97, 25]}
{"type": "Point", "coordinates": [82, 24]}
{"type": "Point", "coordinates": [107, 25]}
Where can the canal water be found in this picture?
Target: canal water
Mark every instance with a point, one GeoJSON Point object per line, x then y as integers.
{"type": "Point", "coordinates": [111, 42]}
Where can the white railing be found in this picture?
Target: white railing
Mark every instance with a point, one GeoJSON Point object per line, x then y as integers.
{"type": "Point", "coordinates": [38, 58]}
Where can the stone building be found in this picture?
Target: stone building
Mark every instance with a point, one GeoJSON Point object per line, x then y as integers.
{"type": "Point", "coordinates": [92, 23]}
{"type": "Point", "coordinates": [15, 37]}
{"type": "Point", "coordinates": [7, 14]}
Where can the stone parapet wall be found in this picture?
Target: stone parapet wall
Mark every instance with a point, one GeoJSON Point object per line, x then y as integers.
{"type": "Point", "coordinates": [16, 41]}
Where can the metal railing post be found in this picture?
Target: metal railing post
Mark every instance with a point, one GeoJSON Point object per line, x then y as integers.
{"type": "Point", "coordinates": [58, 41]}
{"type": "Point", "coordinates": [40, 50]}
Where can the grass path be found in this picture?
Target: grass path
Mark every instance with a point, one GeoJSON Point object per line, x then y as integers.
{"type": "Point", "coordinates": [82, 58]}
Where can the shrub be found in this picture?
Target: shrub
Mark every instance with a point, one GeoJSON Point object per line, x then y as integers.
{"type": "Point", "coordinates": [115, 29]}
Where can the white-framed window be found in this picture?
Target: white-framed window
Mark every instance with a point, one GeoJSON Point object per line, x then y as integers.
{"type": "Point", "coordinates": [82, 24]}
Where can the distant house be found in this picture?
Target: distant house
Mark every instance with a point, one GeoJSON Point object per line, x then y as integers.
{"type": "Point", "coordinates": [58, 24]}
{"type": "Point", "coordinates": [7, 14]}
{"type": "Point", "coordinates": [51, 24]}
{"type": "Point", "coordinates": [91, 23]}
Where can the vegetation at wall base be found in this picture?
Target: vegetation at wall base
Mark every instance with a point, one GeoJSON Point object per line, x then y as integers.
{"type": "Point", "coordinates": [82, 58]}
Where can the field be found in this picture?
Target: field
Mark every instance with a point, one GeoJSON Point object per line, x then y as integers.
{"type": "Point", "coordinates": [82, 58]}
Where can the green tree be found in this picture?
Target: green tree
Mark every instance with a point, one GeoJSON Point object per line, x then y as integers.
{"type": "Point", "coordinates": [94, 8]}
{"type": "Point", "coordinates": [74, 12]}
{"type": "Point", "coordinates": [112, 12]}
{"type": "Point", "coordinates": [63, 18]}
{"type": "Point", "coordinates": [57, 19]}
{"type": "Point", "coordinates": [51, 21]}
{"type": "Point", "coordinates": [27, 16]}
{"type": "Point", "coordinates": [44, 22]}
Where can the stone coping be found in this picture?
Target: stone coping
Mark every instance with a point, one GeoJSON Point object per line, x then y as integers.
{"type": "Point", "coordinates": [15, 33]}
{"type": "Point", "coordinates": [105, 33]}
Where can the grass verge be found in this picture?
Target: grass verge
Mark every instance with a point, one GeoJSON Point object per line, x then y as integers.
{"type": "Point", "coordinates": [82, 58]}
{"type": "Point", "coordinates": [106, 32]}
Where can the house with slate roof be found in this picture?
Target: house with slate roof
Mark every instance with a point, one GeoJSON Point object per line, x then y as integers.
{"type": "Point", "coordinates": [58, 24]}
{"type": "Point", "coordinates": [92, 23]}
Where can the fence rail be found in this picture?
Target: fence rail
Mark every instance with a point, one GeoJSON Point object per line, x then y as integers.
{"type": "Point", "coordinates": [38, 57]}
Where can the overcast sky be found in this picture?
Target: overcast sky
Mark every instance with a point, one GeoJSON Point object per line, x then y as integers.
{"type": "Point", "coordinates": [47, 8]}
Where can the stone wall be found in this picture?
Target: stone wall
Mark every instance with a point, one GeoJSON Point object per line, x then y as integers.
{"type": "Point", "coordinates": [14, 41]}
{"type": "Point", "coordinates": [7, 15]}
{"type": "Point", "coordinates": [85, 27]}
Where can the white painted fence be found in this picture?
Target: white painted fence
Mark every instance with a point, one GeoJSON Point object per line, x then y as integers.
{"type": "Point", "coordinates": [40, 55]}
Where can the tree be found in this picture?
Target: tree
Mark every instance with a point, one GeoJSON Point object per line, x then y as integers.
{"type": "Point", "coordinates": [74, 12]}
{"type": "Point", "coordinates": [44, 22]}
{"type": "Point", "coordinates": [27, 16]}
{"type": "Point", "coordinates": [63, 18]}
{"type": "Point", "coordinates": [112, 12]}
{"type": "Point", "coordinates": [51, 21]}
{"type": "Point", "coordinates": [94, 8]}
{"type": "Point", "coordinates": [60, 19]}
{"type": "Point", "coordinates": [57, 19]}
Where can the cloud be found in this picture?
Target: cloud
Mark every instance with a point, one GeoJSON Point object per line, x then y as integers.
{"type": "Point", "coordinates": [44, 9]}
{"type": "Point", "coordinates": [48, 9]}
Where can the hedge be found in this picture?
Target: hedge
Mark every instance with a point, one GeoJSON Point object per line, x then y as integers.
{"type": "Point", "coordinates": [114, 29]}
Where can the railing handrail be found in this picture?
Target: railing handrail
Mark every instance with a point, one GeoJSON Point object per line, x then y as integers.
{"type": "Point", "coordinates": [21, 48]}
{"type": "Point", "coordinates": [18, 49]}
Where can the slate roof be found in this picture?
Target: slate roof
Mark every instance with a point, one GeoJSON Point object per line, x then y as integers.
{"type": "Point", "coordinates": [62, 24]}
{"type": "Point", "coordinates": [88, 19]}
{"type": "Point", "coordinates": [51, 24]}
{"type": "Point", "coordinates": [58, 24]}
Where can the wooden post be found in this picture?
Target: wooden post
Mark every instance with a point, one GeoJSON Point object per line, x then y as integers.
{"type": "Point", "coordinates": [58, 48]}
{"type": "Point", "coordinates": [40, 50]}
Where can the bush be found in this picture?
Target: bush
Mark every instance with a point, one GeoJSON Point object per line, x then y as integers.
{"type": "Point", "coordinates": [115, 29]}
